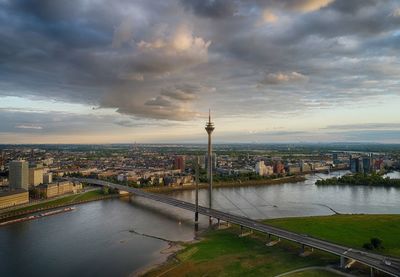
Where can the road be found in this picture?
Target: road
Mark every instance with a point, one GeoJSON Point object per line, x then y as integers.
{"type": "Point", "coordinates": [373, 260]}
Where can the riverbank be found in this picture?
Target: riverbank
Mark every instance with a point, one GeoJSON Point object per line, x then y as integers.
{"type": "Point", "coordinates": [359, 179]}
{"type": "Point", "coordinates": [238, 183]}
{"type": "Point", "coordinates": [222, 252]}
{"type": "Point", "coordinates": [350, 230]}
{"type": "Point", "coordinates": [94, 195]}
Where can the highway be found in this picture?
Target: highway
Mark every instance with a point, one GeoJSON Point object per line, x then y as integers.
{"type": "Point", "coordinates": [385, 264]}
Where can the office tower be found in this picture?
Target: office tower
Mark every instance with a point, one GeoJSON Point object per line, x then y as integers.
{"type": "Point", "coordinates": [179, 163]}
{"type": "Point", "coordinates": [19, 174]}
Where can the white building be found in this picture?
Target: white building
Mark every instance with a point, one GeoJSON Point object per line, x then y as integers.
{"type": "Point", "coordinates": [35, 176]}
{"type": "Point", "coordinates": [263, 170]}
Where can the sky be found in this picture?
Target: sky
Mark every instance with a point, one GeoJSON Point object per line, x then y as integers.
{"type": "Point", "coordinates": [147, 71]}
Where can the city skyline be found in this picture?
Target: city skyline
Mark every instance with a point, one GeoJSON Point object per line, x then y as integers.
{"type": "Point", "coordinates": [148, 71]}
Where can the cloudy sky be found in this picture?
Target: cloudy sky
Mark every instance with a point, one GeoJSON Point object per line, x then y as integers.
{"type": "Point", "coordinates": [98, 71]}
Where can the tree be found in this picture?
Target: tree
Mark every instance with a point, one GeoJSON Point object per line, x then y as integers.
{"type": "Point", "coordinates": [376, 243]}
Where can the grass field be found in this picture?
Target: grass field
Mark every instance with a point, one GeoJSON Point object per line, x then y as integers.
{"type": "Point", "coordinates": [349, 230]}
{"type": "Point", "coordinates": [223, 253]}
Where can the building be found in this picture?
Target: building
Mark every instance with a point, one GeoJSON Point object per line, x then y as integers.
{"type": "Point", "coordinates": [55, 189]}
{"type": "Point", "coordinates": [19, 174]}
{"type": "Point", "coordinates": [367, 164]}
{"type": "Point", "coordinates": [357, 165]}
{"type": "Point", "coordinates": [263, 170]}
{"type": "Point", "coordinates": [179, 163]}
{"type": "Point", "coordinates": [294, 169]}
{"type": "Point", "coordinates": [35, 176]}
{"type": "Point", "coordinates": [279, 168]}
{"type": "Point", "coordinates": [335, 158]}
{"type": "Point", "coordinates": [47, 178]}
{"type": "Point", "coordinates": [305, 167]}
{"type": "Point", "coordinates": [13, 198]}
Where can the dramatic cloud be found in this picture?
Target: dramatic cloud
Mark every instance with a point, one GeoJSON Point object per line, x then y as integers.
{"type": "Point", "coordinates": [169, 61]}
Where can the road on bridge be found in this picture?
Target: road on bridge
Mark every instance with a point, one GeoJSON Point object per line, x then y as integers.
{"type": "Point", "coordinates": [382, 263]}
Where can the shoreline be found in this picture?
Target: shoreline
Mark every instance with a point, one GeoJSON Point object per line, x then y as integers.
{"type": "Point", "coordinates": [171, 262]}
{"type": "Point", "coordinates": [167, 254]}
{"type": "Point", "coordinates": [277, 181]}
{"type": "Point", "coordinates": [11, 214]}
{"type": "Point", "coordinates": [248, 183]}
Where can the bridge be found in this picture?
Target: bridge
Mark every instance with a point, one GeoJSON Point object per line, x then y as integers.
{"type": "Point", "coordinates": [388, 265]}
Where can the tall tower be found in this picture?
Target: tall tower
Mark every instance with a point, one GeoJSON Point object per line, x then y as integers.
{"type": "Point", "coordinates": [209, 128]}
{"type": "Point", "coordinates": [19, 174]}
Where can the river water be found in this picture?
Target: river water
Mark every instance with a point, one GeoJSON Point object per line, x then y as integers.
{"type": "Point", "coordinates": [95, 239]}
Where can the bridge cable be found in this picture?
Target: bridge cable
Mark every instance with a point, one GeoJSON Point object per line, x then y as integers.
{"type": "Point", "coordinates": [237, 207]}
{"type": "Point", "coordinates": [255, 207]}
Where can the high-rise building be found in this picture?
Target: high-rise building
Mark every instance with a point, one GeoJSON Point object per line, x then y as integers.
{"type": "Point", "coordinates": [260, 168]}
{"type": "Point", "coordinates": [179, 163]}
{"type": "Point", "coordinates": [353, 164]}
{"type": "Point", "coordinates": [335, 158]}
{"type": "Point", "coordinates": [19, 174]}
{"type": "Point", "coordinates": [35, 176]}
{"type": "Point", "coordinates": [367, 164]}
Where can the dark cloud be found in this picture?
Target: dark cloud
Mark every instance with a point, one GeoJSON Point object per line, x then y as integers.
{"type": "Point", "coordinates": [142, 58]}
{"type": "Point", "coordinates": [211, 8]}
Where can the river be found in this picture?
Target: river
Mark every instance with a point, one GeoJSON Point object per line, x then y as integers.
{"type": "Point", "coordinates": [94, 240]}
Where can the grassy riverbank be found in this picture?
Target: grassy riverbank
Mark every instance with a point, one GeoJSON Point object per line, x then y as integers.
{"type": "Point", "coordinates": [262, 182]}
{"type": "Point", "coordinates": [59, 202]}
{"type": "Point", "coordinates": [349, 230]}
{"type": "Point", "coordinates": [223, 253]}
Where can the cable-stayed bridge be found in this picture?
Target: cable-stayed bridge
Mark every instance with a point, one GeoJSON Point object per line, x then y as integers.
{"type": "Point", "coordinates": [381, 263]}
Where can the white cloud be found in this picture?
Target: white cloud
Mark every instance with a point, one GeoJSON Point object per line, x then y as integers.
{"type": "Point", "coordinates": [182, 42]}
{"type": "Point", "coordinates": [309, 5]}
{"type": "Point", "coordinates": [29, 126]}
{"type": "Point", "coordinates": [268, 17]}
{"type": "Point", "coordinates": [281, 78]}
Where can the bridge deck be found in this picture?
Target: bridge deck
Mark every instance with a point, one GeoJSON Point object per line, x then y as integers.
{"type": "Point", "coordinates": [373, 260]}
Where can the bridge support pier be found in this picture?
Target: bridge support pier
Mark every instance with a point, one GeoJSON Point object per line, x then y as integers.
{"type": "Point", "coordinates": [196, 221]}
{"type": "Point", "coordinates": [244, 234]}
{"type": "Point", "coordinates": [372, 272]}
{"type": "Point", "coordinates": [342, 261]}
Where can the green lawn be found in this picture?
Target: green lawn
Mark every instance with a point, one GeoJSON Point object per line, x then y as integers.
{"type": "Point", "coordinates": [349, 230]}
{"type": "Point", "coordinates": [223, 253]}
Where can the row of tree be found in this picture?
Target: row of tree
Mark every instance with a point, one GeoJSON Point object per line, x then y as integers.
{"type": "Point", "coordinates": [361, 179]}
